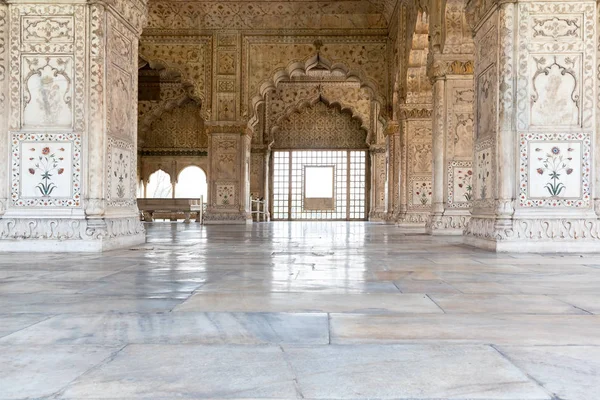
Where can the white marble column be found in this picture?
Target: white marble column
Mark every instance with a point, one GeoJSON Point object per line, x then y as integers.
{"type": "Point", "coordinates": [70, 104]}
{"type": "Point", "coordinates": [228, 174]}
{"type": "Point", "coordinates": [452, 144]}
{"type": "Point", "coordinates": [378, 212]}
{"type": "Point", "coordinates": [393, 145]}
{"type": "Point", "coordinates": [415, 172]}
{"type": "Point", "coordinates": [535, 126]}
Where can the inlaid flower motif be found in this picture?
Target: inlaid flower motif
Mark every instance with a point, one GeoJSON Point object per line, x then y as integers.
{"type": "Point", "coordinates": [554, 164]}
{"type": "Point", "coordinates": [47, 165]}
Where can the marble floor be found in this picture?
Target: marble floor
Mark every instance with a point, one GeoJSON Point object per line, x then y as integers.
{"type": "Point", "coordinates": [299, 311]}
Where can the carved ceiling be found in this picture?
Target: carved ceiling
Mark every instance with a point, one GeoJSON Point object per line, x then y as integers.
{"type": "Point", "coordinates": [269, 14]}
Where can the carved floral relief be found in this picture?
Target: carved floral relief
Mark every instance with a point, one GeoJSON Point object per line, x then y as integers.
{"type": "Point", "coordinates": [486, 103]}
{"type": "Point", "coordinates": [48, 91]}
{"type": "Point", "coordinates": [555, 92]}
{"type": "Point", "coordinates": [484, 188]}
{"type": "Point", "coordinates": [121, 173]}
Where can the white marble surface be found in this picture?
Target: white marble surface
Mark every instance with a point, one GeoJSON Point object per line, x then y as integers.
{"type": "Point", "coordinates": [175, 328]}
{"type": "Point", "coordinates": [568, 372]}
{"type": "Point", "coordinates": [313, 310]}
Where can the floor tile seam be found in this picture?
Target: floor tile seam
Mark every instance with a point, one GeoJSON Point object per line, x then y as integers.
{"type": "Point", "coordinates": [463, 314]}
{"type": "Point", "coordinates": [105, 361]}
{"type": "Point", "coordinates": [47, 317]}
{"type": "Point", "coordinates": [292, 369]}
{"type": "Point", "coordinates": [570, 304]}
{"type": "Point", "coordinates": [304, 398]}
{"type": "Point", "coordinates": [496, 348]}
{"type": "Point", "coordinates": [435, 302]}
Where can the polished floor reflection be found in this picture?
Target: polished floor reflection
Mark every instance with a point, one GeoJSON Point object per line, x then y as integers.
{"type": "Point", "coordinates": [299, 310]}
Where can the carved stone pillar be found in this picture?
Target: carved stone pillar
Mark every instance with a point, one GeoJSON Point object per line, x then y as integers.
{"type": "Point", "coordinates": [259, 174]}
{"type": "Point", "coordinates": [393, 140]}
{"type": "Point", "coordinates": [378, 212]}
{"type": "Point", "coordinates": [228, 174]}
{"type": "Point", "coordinates": [5, 142]}
{"type": "Point", "coordinates": [535, 126]}
{"type": "Point", "coordinates": [70, 105]}
{"type": "Point", "coordinates": [415, 168]}
{"type": "Point", "coordinates": [452, 144]}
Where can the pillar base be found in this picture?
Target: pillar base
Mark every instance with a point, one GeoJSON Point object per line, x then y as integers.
{"type": "Point", "coordinates": [447, 225]}
{"type": "Point", "coordinates": [412, 222]}
{"type": "Point", "coordinates": [58, 235]}
{"type": "Point", "coordinates": [548, 235]}
{"type": "Point", "coordinates": [378, 216]}
{"type": "Point", "coordinates": [229, 218]}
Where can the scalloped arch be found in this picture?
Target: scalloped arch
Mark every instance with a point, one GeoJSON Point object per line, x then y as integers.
{"type": "Point", "coordinates": [145, 124]}
{"type": "Point", "coordinates": [336, 70]}
{"type": "Point", "coordinates": [169, 71]}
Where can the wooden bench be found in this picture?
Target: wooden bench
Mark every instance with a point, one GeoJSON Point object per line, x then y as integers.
{"type": "Point", "coordinates": [173, 207]}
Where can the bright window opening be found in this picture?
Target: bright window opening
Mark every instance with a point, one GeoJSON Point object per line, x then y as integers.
{"type": "Point", "coordinates": [159, 186]}
{"type": "Point", "coordinates": [318, 182]}
{"type": "Point", "coordinates": [191, 184]}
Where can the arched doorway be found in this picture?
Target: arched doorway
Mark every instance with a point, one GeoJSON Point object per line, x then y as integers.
{"type": "Point", "coordinates": [319, 166]}
{"type": "Point", "coordinates": [191, 184]}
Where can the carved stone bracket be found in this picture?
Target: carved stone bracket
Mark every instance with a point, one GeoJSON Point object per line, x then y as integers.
{"type": "Point", "coordinates": [133, 12]}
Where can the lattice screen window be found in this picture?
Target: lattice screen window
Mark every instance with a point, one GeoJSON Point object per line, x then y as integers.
{"type": "Point", "coordinates": [288, 181]}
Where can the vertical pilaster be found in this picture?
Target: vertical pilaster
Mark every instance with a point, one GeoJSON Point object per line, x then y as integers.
{"type": "Point", "coordinates": [5, 141]}
{"type": "Point", "coordinates": [415, 167]}
{"type": "Point", "coordinates": [228, 174]}
{"type": "Point", "coordinates": [378, 212]}
{"type": "Point", "coordinates": [452, 144]}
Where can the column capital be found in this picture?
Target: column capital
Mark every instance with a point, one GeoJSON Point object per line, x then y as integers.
{"type": "Point", "coordinates": [134, 12]}
{"type": "Point", "coordinates": [452, 64]}
{"type": "Point", "coordinates": [239, 127]}
{"type": "Point", "coordinates": [415, 111]}
{"type": "Point", "coordinates": [392, 128]}
{"type": "Point", "coordinates": [476, 10]}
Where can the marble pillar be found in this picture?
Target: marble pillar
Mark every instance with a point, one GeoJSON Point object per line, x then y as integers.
{"type": "Point", "coordinates": [228, 174]}
{"type": "Point", "coordinates": [394, 157]}
{"type": "Point", "coordinates": [452, 144]}
{"type": "Point", "coordinates": [379, 168]}
{"type": "Point", "coordinates": [69, 107]}
{"type": "Point", "coordinates": [535, 126]}
{"type": "Point", "coordinates": [415, 167]}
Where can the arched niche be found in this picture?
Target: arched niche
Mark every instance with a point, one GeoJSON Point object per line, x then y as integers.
{"type": "Point", "coordinates": [192, 183]}
{"type": "Point", "coordinates": [180, 127]}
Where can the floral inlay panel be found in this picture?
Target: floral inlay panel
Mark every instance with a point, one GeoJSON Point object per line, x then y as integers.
{"type": "Point", "coordinates": [225, 195]}
{"type": "Point", "coordinates": [460, 184]}
{"type": "Point", "coordinates": [555, 170]}
{"type": "Point", "coordinates": [121, 173]}
{"type": "Point", "coordinates": [46, 170]}
{"type": "Point", "coordinates": [421, 194]}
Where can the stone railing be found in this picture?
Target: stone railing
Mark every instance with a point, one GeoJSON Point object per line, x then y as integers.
{"type": "Point", "coordinates": [259, 210]}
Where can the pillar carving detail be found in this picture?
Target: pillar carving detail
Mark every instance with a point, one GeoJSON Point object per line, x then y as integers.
{"type": "Point", "coordinates": [535, 126]}
{"type": "Point", "coordinates": [71, 85]}
{"type": "Point", "coordinates": [229, 160]}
